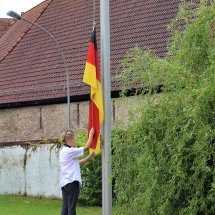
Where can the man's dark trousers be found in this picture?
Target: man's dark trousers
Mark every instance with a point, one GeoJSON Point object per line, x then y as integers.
{"type": "Point", "coordinates": [70, 194]}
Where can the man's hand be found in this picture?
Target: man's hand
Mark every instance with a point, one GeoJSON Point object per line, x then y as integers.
{"type": "Point", "coordinates": [91, 133]}
{"type": "Point", "coordinates": [90, 139]}
{"type": "Point", "coordinates": [92, 155]}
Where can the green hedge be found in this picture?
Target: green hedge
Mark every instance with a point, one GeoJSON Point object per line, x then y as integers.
{"type": "Point", "coordinates": [164, 158]}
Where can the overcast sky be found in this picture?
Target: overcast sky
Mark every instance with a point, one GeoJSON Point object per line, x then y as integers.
{"type": "Point", "coordinates": [17, 6]}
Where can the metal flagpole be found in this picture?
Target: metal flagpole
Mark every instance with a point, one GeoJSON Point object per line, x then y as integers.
{"type": "Point", "coordinates": [105, 74]}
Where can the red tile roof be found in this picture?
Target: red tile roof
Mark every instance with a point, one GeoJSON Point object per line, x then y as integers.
{"type": "Point", "coordinates": [31, 68]}
{"type": "Point", "coordinates": [5, 24]}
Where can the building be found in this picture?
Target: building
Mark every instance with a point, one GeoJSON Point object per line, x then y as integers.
{"type": "Point", "coordinates": [5, 25]}
{"type": "Point", "coordinates": [33, 92]}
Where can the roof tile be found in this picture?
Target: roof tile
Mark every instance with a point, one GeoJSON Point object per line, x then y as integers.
{"type": "Point", "coordinates": [31, 67]}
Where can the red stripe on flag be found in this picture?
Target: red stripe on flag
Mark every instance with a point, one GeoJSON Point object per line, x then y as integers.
{"type": "Point", "coordinates": [91, 54]}
{"type": "Point", "coordinates": [94, 122]}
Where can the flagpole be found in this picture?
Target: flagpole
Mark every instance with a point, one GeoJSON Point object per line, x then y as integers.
{"type": "Point", "coordinates": [105, 75]}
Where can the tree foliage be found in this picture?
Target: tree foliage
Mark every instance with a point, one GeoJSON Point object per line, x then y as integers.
{"type": "Point", "coordinates": [163, 160]}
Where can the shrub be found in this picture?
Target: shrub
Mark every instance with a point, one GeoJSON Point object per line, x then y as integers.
{"type": "Point", "coordinates": [163, 160]}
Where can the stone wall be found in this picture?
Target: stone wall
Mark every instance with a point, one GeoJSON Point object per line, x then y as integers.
{"type": "Point", "coordinates": [49, 121]}
{"type": "Point", "coordinates": [39, 122]}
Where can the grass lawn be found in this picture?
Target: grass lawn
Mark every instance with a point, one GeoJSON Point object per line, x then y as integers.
{"type": "Point", "coordinates": [22, 205]}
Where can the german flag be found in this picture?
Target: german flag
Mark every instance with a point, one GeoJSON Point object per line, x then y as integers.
{"type": "Point", "coordinates": [92, 78]}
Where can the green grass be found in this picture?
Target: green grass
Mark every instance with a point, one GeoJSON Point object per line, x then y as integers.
{"type": "Point", "coordinates": [22, 205]}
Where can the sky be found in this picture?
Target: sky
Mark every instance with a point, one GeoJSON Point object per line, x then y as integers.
{"type": "Point", "coordinates": [17, 6]}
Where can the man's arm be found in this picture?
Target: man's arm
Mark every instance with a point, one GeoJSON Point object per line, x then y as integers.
{"type": "Point", "coordinates": [88, 158]}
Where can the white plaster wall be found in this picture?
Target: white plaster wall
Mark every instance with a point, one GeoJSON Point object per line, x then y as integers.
{"type": "Point", "coordinates": [12, 174]}
{"type": "Point", "coordinates": [38, 177]}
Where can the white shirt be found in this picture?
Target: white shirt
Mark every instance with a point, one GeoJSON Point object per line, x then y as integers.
{"type": "Point", "coordinates": [70, 168]}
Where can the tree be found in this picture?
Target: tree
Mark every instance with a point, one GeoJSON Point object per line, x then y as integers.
{"type": "Point", "coordinates": [163, 160]}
